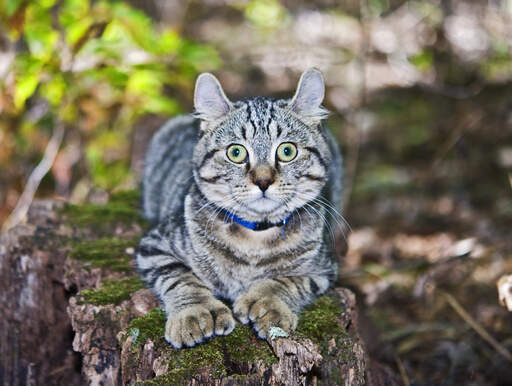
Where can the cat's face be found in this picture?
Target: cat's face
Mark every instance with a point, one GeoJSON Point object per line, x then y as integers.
{"type": "Point", "coordinates": [262, 158]}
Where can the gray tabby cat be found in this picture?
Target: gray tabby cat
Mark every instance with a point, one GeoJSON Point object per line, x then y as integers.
{"type": "Point", "coordinates": [240, 192]}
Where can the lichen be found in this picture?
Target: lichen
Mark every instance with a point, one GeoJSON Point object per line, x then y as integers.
{"type": "Point", "coordinates": [277, 332]}
{"type": "Point", "coordinates": [105, 253]}
{"type": "Point", "coordinates": [319, 321]}
{"type": "Point", "coordinates": [112, 291]}
{"type": "Point", "coordinates": [122, 208]}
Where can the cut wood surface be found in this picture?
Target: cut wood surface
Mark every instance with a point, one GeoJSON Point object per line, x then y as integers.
{"type": "Point", "coordinates": [75, 312]}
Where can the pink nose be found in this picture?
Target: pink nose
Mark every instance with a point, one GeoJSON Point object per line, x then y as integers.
{"type": "Point", "coordinates": [263, 184]}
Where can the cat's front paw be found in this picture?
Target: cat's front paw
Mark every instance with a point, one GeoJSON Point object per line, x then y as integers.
{"type": "Point", "coordinates": [265, 312]}
{"type": "Point", "coordinates": [195, 324]}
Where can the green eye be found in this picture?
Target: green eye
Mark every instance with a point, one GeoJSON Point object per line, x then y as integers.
{"type": "Point", "coordinates": [286, 152]}
{"type": "Point", "coordinates": [237, 154]}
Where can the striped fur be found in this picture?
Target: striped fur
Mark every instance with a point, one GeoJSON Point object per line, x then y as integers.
{"type": "Point", "coordinates": [195, 255]}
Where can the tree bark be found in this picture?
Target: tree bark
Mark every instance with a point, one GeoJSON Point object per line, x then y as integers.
{"type": "Point", "coordinates": [53, 333]}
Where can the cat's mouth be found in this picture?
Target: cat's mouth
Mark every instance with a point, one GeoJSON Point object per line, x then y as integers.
{"type": "Point", "coordinates": [264, 204]}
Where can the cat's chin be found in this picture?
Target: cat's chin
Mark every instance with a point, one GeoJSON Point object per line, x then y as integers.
{"type": "Point", "coordinates": [265, 207]}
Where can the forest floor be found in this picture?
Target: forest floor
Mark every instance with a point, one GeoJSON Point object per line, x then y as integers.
{"type": "Point", "coordinates": [431, 214]}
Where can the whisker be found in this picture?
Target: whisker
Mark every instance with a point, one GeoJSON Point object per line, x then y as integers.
{"type": "Point", "coordinates": [324, 220]}
{"type": "Point", "coordinates": [331, 212]}
{"type": "Point", "coordinates": [336, 216]}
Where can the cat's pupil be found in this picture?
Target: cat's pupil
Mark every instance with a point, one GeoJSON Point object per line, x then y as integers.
{"type": "Point", "coordinates": [236, 152]}
{"type": "Point", "coordinates": [287, 151]}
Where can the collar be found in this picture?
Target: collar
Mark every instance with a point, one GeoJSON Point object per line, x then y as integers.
{"type": "Point", "coordinates": [254, 225]}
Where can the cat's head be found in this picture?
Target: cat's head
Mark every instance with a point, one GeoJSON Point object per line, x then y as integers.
{"type": "Point", "coordinates": [261, 158]}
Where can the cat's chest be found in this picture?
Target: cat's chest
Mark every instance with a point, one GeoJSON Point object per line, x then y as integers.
{"type": "Point", "coordinates": [235, 258]}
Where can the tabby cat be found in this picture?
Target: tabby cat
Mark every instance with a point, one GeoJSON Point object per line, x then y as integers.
{"type": "Point", "coordinates": [240, 195]}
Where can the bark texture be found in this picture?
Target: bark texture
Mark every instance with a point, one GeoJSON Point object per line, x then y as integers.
{"type": "Point", "coordinates": [72, 316]}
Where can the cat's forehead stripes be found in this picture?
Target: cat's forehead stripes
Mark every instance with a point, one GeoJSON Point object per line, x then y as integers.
{"type": "Point", "coordinates": [260, 119]}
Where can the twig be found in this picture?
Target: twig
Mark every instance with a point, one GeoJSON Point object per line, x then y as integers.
{"type": "Point", "coordinates": [403, 374]}
{"type": "Point", "coordinates": [35, 178]}
{"type": "Point", "coordinates": [475, 326]}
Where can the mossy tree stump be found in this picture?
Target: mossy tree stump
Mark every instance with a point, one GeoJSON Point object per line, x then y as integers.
{"type": "Point", "coordinates": [68, 286]}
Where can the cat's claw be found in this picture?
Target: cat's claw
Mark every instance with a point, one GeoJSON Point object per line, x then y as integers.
{"type": "Point", "coordinates": [264, 313]}
{"type": "Point", "coordinates": [195, 324]}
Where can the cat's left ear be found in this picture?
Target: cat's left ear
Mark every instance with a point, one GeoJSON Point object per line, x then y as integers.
{"type": "Point", "coordinates": [210, 101]}
{"type": "Point", "coordinates": [307, 101]}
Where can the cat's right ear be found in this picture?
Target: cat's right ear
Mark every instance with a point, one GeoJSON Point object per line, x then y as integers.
{"type": "Point", "coordinates": [210, 102]}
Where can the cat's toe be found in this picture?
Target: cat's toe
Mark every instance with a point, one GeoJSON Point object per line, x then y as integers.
{"type": "Point", "coordinates": [242, 307]}
{"type": "Point", "coordinates": [173, 333]}
{"type": "Point", "coordinates": [272, 312]}
{"type": "Point", "coordinates": [189, 327]}
{"type": "Point", "coordinates": [194, 325]}
{"type": "Point", "coordinates": [224, 321]}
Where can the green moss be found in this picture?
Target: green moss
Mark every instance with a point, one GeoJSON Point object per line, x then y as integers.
{"type": "Point", "coordinates": [227, 355]}
{"type": "Point", "coordinates": [123, 208]}
{"type": "Point", "coordinates": [150, 326]}
{"type": "Point", "coordinates": [130, 198]}
{"type": "Point", "coordinates": [319, 321]}
{"type": "Point", "coordinates": [112, 291]}
{"type": "Point", "coordinates": [105, 253]}
{"type": "Point", "coordinates": [223, 355]}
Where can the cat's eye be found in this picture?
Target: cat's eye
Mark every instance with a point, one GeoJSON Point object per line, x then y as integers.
{"type": "Point", "coordinates": [237, 154]}
{"type": "Point", "coordinates": [286, 152]}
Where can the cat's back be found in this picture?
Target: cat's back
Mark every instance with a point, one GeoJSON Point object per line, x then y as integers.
{"type": "Point", "coordinates": [167, 173]}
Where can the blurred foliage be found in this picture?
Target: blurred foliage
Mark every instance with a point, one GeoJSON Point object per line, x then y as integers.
{"type": "Point", "coordinates": [266, 13]}
{"type": "Point", "coordinates": [96, 67]}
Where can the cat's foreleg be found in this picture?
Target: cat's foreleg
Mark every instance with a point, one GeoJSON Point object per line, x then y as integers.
{"type": "Point", "coordinates": [193, 313]}
{"type": "Point", "coordinates": [277, 302]}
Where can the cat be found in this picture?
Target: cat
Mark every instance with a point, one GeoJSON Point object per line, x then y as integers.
{"type": "Point", "coordinates": [239, 193]}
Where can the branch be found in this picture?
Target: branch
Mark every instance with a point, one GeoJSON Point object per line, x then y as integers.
{"type": "Point", "coordinates": [50, 153]}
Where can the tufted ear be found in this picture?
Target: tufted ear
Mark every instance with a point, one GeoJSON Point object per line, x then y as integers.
{"type": "Point", "coordinates": [210, 102]}
{"type": "Point", "coordinates": [307, 101]}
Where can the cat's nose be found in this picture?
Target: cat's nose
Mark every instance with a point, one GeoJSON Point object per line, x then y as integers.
{"type": "Point", "coordinates": [262, 176]}
{"type": "Point", "coordinates": [263, 184]}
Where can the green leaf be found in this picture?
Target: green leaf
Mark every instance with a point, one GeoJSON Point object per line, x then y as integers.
{"type": "Point", "coordinates": [170, 42]}
{"type": "Point", "coordinates": [75, 31]}
{"type": "Point", "coordinates": [39, 34]}
{"type": "Point", "coordinates": [114, 76]}
{"type": "Point", "coordinates": [161, 105]}
{"type": "Point", "coordinates": [73, 11]}
{"type": "Point", "coordinates": [26, 85]}
{"type": "Point", "coordinates": [144, 82]}
{"type": "Point", "coordinates": [54, 89]}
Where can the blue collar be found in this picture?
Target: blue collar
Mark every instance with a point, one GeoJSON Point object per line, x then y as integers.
{"type": "Point", "coordinates": [254, 225]}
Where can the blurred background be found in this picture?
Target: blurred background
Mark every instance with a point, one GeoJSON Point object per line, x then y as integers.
{"type": "Point", "coordinates": [421, 101]}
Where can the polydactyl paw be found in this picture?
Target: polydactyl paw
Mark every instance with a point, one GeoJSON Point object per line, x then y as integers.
{"type": "Point", "coordinates": [195, 324]}
{"type": "Point", "coordinates": [265, 312]}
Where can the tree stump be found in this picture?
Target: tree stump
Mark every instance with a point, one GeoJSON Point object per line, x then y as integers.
{"type": "Point", "coordinates": [75, 312]}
